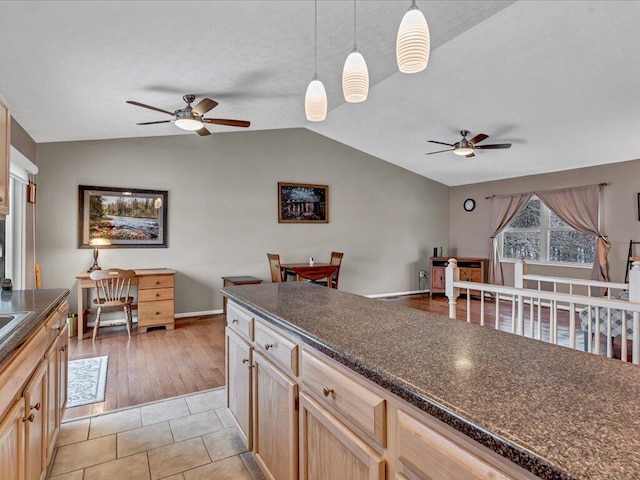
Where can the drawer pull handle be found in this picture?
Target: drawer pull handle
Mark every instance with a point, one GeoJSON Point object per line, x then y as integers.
{"type": "Point", "coordinates": [235, 320]}
{"type": "Point", "coordinates": [157, 294]}
{"type": "Point", "coordinates": [326, 391]}
{"type": "Point", "coordinates": [157, 283]}
{"type": "Point", "coordinates": [157, 313]}
{"type": "Point", "coordinates": [36, 406]}
{"type": "Point", "coordinates": [267, 346]}
{"type": "Point", "coordinates": [30, 418]}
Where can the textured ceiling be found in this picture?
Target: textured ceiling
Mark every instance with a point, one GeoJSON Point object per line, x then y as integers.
{"type": "Point", "coordinates": [557, 79]}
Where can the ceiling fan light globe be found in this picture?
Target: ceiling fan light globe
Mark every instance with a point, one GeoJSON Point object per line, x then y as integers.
{"type": "Point", "coordinates": [463, 151]}
{"type": "Point", "coordinates": [189, 124]}
{"type": "Point", "coordinates": [413, 42]}
{"type": "Point", "coordinates": [315, 101]}
{"type": "Point", "coordinates": [355, 78]}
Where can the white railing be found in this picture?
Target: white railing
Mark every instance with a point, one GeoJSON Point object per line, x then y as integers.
{"type": "Point", "coordinates": [602, 315]}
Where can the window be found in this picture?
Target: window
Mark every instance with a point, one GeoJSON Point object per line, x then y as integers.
{"type": "Point", "coordinates": [537, 234]}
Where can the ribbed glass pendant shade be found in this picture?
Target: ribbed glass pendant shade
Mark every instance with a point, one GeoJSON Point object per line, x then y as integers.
{"type": "Point", "coordinates": [315, 101]}
{"type": "Point", "coordinates": [412, 43]}
{"type": "Point", "coordinates": [355, 78]}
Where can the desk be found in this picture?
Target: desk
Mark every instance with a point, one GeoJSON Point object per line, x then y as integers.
{"type": "Point", "coordinates": [239, 280]}
{"type": "Point", "coordinates": [156, 293]}
{"type": "Point", "coordinates": [317, 271]}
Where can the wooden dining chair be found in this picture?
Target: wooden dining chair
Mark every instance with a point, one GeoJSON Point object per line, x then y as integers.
{"type": "Point", "coordinates": [112, 292]}
{"type": "Point", "coordinates": [336, 260]}
{"type": "Point", "coordinates": [275, 268]}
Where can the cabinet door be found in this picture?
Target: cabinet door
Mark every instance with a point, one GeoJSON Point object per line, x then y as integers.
{"type": "Point", "coordinates": [12, 443]}
{"type": "Point", "coordinates": [35, 398]}
{"type": "Point", "coordinates": [63, 369]}
{"type": "Point", "coordinates": [424, 453]}
{"type": "Point", "coordinates": [275, 436]}
{"type": "Point", "coordinates": [51, 416]}
{"type": "Point", "coordinates": [328, 449]}
{"type": "Point", "coordinates": [239, 366]}
{"type": "Point", "coordinates": [437, 279]}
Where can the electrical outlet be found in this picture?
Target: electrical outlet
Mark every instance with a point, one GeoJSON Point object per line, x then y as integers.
{"type": "Point", "coordinates": [423, 274]}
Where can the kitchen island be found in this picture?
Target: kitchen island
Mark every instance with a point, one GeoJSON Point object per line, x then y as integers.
{"type": "Point", "coordinates": [542, 409]}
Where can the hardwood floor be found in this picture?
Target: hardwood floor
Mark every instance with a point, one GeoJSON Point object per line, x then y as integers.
{"type": "Point", "coordinates": [162, 364]}
{"type": "Point", "coordinates": [155, 365]}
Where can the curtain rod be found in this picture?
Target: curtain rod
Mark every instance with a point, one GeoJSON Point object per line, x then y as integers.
{"type": "Point", "coordinates": [601, 185]}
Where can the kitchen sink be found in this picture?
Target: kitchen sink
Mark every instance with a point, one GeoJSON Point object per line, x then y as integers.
{"type": "Point", "coordinates": [10, 321]}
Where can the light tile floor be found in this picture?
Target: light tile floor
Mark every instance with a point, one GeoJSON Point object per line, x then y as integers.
{"type": "Point", "coordinates": [184, 438]}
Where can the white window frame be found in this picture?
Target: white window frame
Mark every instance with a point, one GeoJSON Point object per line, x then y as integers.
{"type": "Point", "coordinates": [545, 230]}
{"type": "Point", "coordinates": [20, 167]}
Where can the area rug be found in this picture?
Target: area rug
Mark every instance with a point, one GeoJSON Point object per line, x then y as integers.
{"type": "Point", "coordinates": [87, 381]}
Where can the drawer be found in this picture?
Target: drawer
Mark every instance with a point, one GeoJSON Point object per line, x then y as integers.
{"type": "Point", "coordinates": [277, 347]}
{"type": "Point", "coordinates": [155, 313]}
{"type": "Point", "coordinates": [334, 389]}
{"type": "Point", "coordinates": [240, 321]}
{"type": "Point", "coordinates": [155, 281]}
{"type": "Point", "coordinates": [153, 294]}
{"type": "Point", "coordinates": [426, 452]}
{"type": "Point", "coordinates": [54, 323]}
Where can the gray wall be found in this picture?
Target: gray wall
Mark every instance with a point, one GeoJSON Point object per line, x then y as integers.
{"type": "Point", "coordinates": [469, 231]}
{"type": "Point", "coordinates": [223, 210]}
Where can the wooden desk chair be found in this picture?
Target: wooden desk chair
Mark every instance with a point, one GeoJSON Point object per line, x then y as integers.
{"type": "Point", "coordinates": [112, 291]}
{"type": "Point", "coordinates": [275, 268]}
{"type": "Point", "coordinates": [336, 259]}
{"type": "Point", "coordinates": [317, 273]}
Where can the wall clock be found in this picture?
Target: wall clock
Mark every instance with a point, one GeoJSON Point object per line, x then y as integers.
{"type": "Point", "coordinates": [469, 204]}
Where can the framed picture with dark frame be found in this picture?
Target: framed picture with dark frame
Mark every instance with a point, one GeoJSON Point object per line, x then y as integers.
{"type": "Point", "coordinates": [303, 203]}
{"type": "Point", "coordinates": [126, 217]}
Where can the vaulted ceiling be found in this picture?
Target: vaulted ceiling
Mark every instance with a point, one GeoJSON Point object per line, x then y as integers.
{"type": "Point", "coordinates": [556, 79]}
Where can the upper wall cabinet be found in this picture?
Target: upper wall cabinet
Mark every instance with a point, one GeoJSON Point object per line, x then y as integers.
{"type": "Point", "coordinates": [5, 138]}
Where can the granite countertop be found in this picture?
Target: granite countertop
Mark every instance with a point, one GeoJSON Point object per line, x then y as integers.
{"type": "Point", "coordinates": [557, 412]}
{"type": "Point", "coordinates": [40, 302]}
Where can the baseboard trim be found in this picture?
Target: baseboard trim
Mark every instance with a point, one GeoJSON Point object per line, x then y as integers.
{"type": "Point", "coordinates": [396, 294]}
{"type": "Point", "coordinates": [197, 314]}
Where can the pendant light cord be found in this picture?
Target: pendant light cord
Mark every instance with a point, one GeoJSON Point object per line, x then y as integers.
{"type": "Point", "coordinates": [354, 25]}
{"type": "Point", "coordinates": [315, 41]}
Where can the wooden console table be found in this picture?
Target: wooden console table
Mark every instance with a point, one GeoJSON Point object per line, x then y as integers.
{"type": "Point", "coordinates": [156, 294]}
{"type": "Point", "coordinates": [471, 270]}
{"type": "Point", "coordinates": [239, 280]}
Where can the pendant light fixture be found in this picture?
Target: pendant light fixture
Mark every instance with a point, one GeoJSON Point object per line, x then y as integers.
{"type": "Point", "coordinates": [315, 100]}
{"type": "Point", "coordinates": [355, 75]}
{"type": "Point", "coordinates": [412, 43]}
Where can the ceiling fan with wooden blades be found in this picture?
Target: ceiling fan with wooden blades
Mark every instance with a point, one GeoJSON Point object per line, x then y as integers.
{"type": "Point", "coordinates": [466, 147]}
{"type": "Point", "coordinates": [192, 118]}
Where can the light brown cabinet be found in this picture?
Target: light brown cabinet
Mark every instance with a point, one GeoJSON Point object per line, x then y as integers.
{"type": "Point", "coordinates": [5, 138]}
{"type": "Point", "coordinates": [239, 380]}
{"type": "Point", "coordinates": [35, 380]}
{"type": "Point", "coordinates": [328, 449]}
{"type": "Point", "coordinates": [426, 453]}
{"type": "Point", "coordinates": [35, 398]}
{"type": "Point", "coordinates": [471, 270]}
{"type": "Point", "coordinates": [156, 306]}
{"type": "Point", "coordinates": [327, 422]}
{"type": "Point", "coordinates": [275, 436]}
{"type": "Point", "coordinates": [12, 443]}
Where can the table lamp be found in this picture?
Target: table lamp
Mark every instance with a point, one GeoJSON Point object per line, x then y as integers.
{"type": "Point", "coordinates": [97, 242]}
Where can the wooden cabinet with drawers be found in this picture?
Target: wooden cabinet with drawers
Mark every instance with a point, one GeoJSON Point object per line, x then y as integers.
{"type": "Point", "coordinates": [471, 270]}
{"type": "Point", "coordinates": [306, 416]}
{"type": "Point", "coordinates": [33, 392]}
{"type": "Point", "coordinates": [156, 304]}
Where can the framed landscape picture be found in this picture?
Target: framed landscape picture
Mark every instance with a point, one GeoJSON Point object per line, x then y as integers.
{"type": "Point", "coordinates": [126, 217]}
{"type": "Point", "coordinates": [303, 203]}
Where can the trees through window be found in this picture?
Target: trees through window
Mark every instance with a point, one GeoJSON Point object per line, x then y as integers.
{"type": "Point", "coordinates": [537, 234]}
